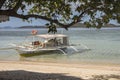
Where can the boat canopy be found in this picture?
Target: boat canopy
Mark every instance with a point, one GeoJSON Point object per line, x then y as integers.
{"type": "Point", "coordinates": [47, 36]}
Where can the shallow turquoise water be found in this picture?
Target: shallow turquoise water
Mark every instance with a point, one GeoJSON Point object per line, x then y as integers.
{"type": "Point", "coordinates": [104, 45]}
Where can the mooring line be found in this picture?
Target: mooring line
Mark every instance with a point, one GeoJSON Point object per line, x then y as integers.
{"type": "Point", "coordinates": [6, 48]}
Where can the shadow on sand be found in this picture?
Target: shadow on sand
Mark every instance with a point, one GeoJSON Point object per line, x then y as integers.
{"type": "Point", "coordinates": [27, 75]}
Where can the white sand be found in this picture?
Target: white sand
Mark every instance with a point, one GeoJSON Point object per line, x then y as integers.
{"type": "Point", "coordinates": [78, 70]}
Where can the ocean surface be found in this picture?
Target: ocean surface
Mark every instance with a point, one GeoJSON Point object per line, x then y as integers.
{"type": "Point", "coordinates": [104, 44]}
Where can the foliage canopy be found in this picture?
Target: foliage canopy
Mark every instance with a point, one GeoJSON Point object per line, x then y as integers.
{"type": "Point", "coordinates": [65, 13]}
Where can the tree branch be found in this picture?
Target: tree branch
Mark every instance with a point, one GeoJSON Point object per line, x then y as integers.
{"type": "Point", "coordinates": [15, 14]}
{"type": "Point", "coordinates": [78, 19]}
{"type": "Point", "coordinates": [12, 13]}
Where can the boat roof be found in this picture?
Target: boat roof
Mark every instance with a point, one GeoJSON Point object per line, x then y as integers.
{"type": "Point", "coordinates": [46, 36]}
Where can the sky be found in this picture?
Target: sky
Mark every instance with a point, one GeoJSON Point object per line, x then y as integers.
{"type": "Point", "coordinates": [16, 22]}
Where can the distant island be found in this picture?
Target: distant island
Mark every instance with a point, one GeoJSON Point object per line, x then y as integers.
{"type": "Point", "coordinates": [32, 27]}
{"type": "Point", "coordinates": [6, 27]}
{"type": "Point", "coordinates": [78, 25]}
{"type": "Point", "coordinates": [81, 25]}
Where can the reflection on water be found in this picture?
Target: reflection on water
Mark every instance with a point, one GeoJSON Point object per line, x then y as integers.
{"type": "Point", "coordinates": [104, 45]}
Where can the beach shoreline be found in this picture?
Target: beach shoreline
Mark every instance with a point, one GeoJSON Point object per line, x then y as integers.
{"type": "Point", "coordinates": [82, 70]}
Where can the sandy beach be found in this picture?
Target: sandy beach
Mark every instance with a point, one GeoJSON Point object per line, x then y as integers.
{"type": "Point", "coordinates": [56, 71]}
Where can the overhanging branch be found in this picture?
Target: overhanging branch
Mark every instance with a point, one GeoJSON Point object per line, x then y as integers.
{"type": "Point", "coordinates": [13, 13]}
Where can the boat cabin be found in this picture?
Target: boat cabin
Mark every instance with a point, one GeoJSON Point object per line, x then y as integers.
{"type": "Point", "coordinates": [53, 40]}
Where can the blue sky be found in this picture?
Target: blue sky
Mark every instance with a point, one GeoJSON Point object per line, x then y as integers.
{"type": "Point", "coordinates": [16, 22]}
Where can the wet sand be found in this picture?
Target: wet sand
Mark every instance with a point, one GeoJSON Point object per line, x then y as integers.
{"type": "Point", "coordinates": [55, 71]}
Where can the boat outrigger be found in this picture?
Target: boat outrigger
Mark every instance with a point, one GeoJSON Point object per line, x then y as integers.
{"type": "Point", "coordinates": [45, 43]}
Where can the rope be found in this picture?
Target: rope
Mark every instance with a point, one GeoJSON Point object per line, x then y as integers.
{"type": "Point", "coordinates": [6, 48]}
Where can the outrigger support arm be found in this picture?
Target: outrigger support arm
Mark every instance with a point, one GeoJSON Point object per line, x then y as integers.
{"type": "Point", "coordinates": [74, 48]}
{"type": "Point", "coordinates": [62, 51]}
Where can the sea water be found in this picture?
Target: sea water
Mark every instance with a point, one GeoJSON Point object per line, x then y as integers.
{"type": "Point", "coordinates": [104, 45]}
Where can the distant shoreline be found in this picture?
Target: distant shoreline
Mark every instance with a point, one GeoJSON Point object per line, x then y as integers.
{"type": "Point", "coordinates": [57, 27]}
{"type": "Point", "coordinates": [78, 25]}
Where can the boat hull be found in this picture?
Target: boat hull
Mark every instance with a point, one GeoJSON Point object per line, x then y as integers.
{"type": "Point", "coordinates": [29, 53]}
{"type": "Point", "coordinates": [35, 53]}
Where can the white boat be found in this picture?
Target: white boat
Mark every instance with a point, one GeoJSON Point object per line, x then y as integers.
{"type": "Point", "coordinates": [43, 43]}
